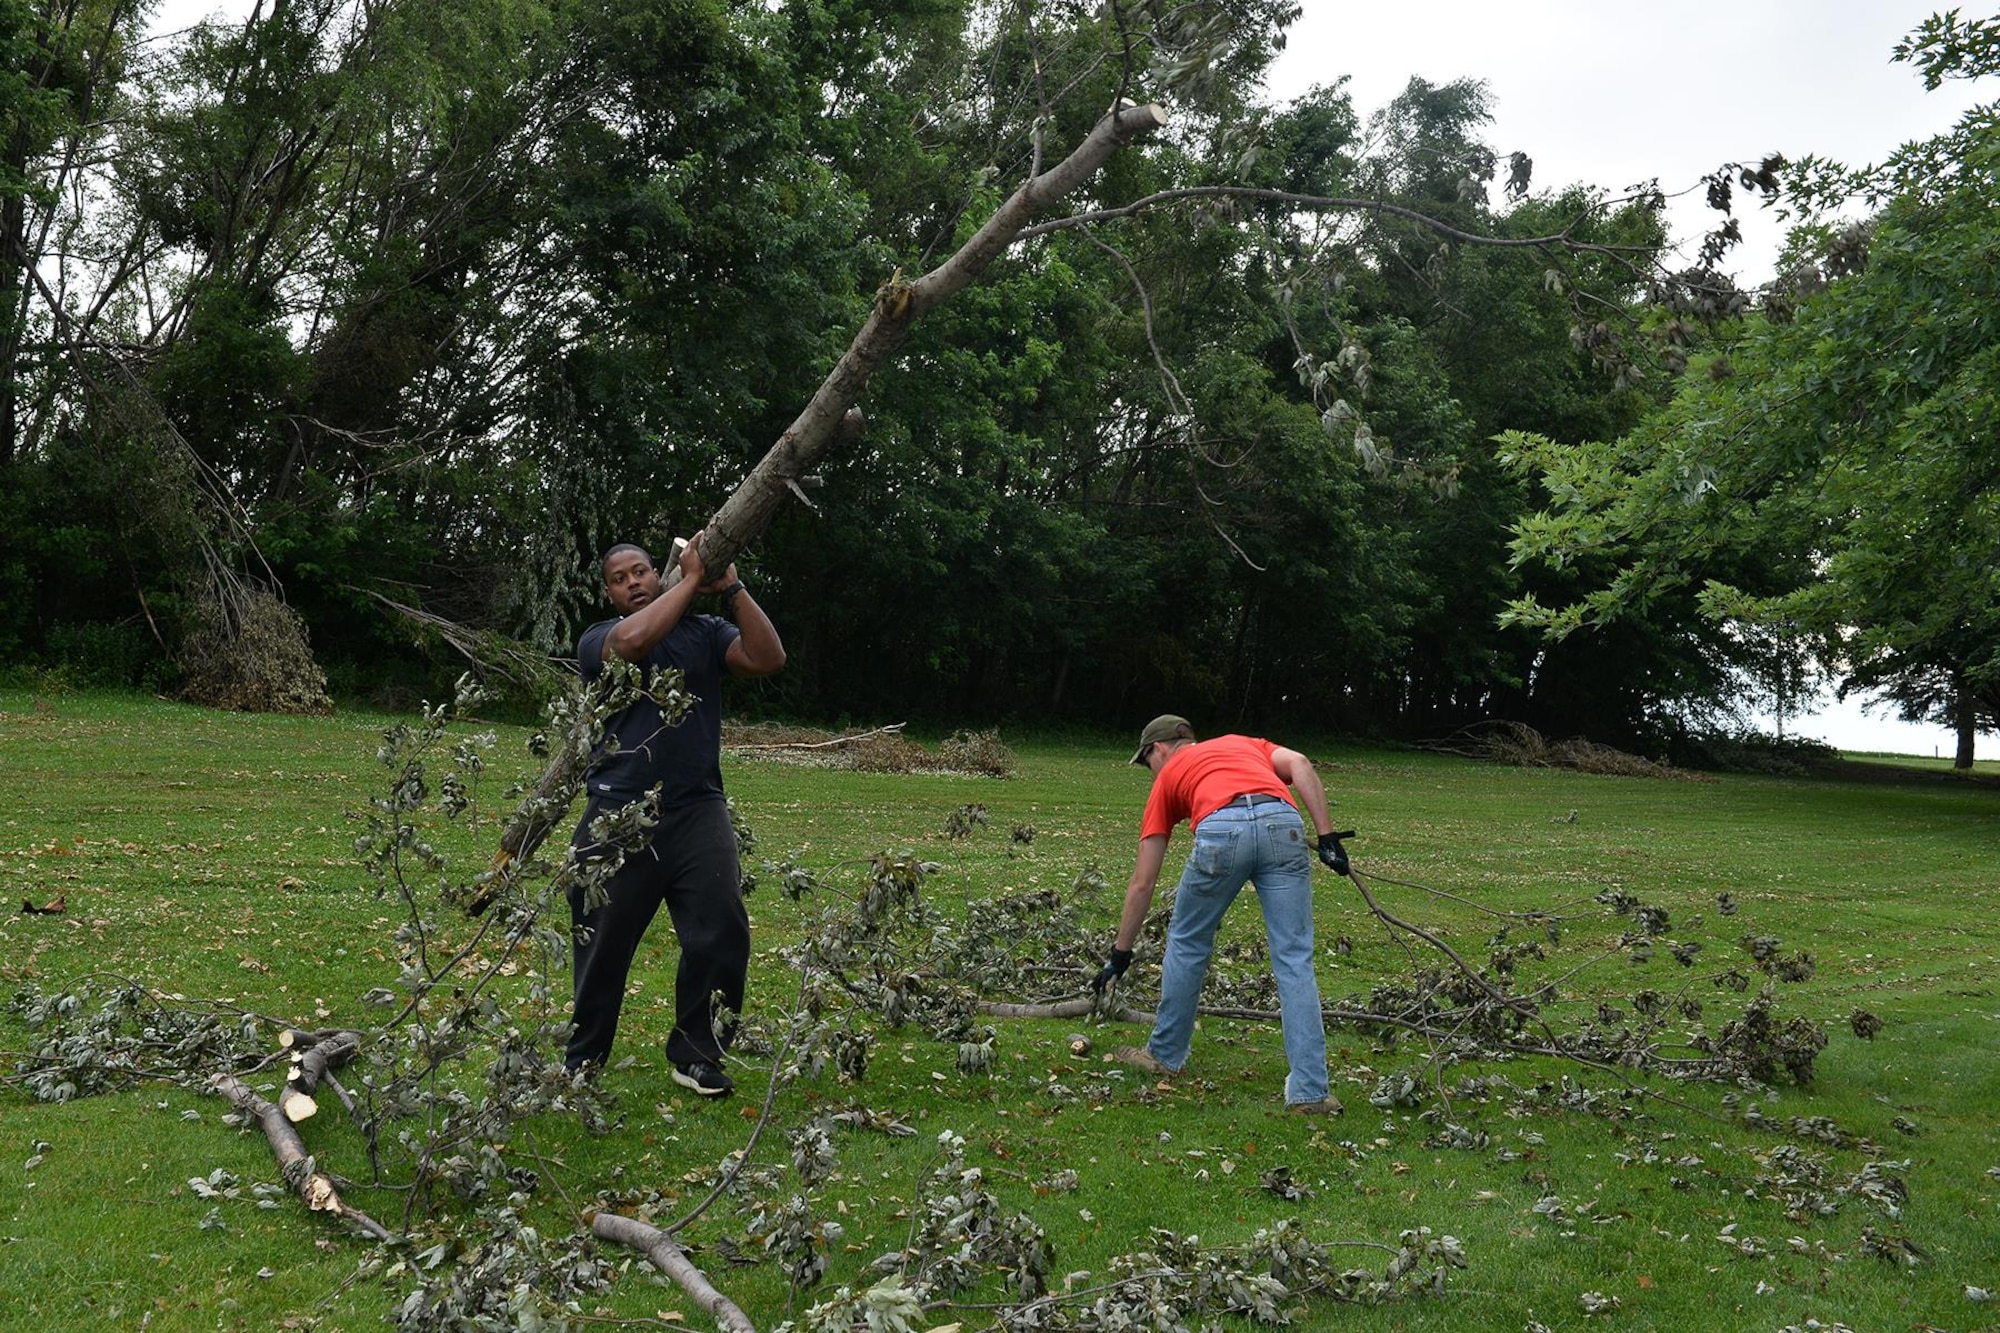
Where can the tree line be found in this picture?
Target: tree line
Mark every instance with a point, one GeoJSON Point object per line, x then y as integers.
{"type": "Point", "coordinates": [367, 325]}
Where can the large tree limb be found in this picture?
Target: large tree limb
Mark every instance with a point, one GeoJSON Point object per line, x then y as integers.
{"type": "Point", "coordinates": [748, 511]}
{"type": "Point", "coordinates": [661, 1251]}
{"type": "Point", "coordinates": [830, 416]}
{"type": "Point", "coordinates": [1080, 1008]}
{"type": "Point", "coordinates": [312, 1185]}
{"type": "Point", "coordinates": [1321, 203]}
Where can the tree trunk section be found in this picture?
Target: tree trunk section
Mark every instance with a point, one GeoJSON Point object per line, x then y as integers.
{"type": "Point", "coordinates": [1965, 719]}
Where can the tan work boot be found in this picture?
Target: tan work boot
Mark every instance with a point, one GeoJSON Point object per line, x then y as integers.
{"type": "Point", "coordinates": [1140, 1058]}
{"type": "Point", "coordinates": [1327, 1105]}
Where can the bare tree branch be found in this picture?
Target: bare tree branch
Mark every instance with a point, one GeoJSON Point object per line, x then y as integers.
{"type": "Point", "coordinates": [661, 1251]}
{"type": "Point", "coordinates": [1321, 203]}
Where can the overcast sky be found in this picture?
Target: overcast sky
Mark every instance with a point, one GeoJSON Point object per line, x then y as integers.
{"type": "Point", "coordinates": [1613, 94]}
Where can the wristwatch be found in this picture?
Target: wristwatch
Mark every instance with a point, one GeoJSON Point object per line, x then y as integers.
{"type": "Point", "coordinates": [728, 595]}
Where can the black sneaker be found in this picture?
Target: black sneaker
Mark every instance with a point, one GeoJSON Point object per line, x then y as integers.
{"type": "Point", "coordinates": [705, 1079]}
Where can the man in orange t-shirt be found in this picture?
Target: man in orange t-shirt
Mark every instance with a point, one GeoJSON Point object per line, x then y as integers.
{"type": "Point", "coordinates": [1233, 791]}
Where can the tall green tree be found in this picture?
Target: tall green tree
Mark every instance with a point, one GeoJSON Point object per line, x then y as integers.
{"type": "Point", "coordinates": [1833, 477]}
{"type": "Point", "coordinates": [435, 302]}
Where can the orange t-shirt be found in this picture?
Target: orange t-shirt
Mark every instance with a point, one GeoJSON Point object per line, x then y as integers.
{"type": "Point", "coordinates": [1202, 778]}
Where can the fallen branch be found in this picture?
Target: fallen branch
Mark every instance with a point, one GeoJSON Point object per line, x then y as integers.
{"type": "Point", "coordinates": [1343, 1014]}
{"type": "Point", "coordinates": [312, 1185]}
{"type": "Point", "coordinates": [1082, 1008]}
{"type": "Point", "coordinates": [1471, 973]}
{"type": "Point", "coordinates": [661, 1251]}
{"type": "Point", "coordinates": [894, 728]}
{"type": "Point", "coordinates": [1085, 1008]}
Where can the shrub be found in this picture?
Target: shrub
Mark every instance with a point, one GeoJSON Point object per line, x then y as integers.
{"type": "Point", "coordinates": [1753, 752]}
{"type": "Point", "coordinates": [977, 752]}
{"type": "Point", "coordinates": [260, 663]}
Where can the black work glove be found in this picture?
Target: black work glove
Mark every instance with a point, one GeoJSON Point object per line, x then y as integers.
{"type": "Point", "coordinates": [1331, 853]}
{"type": "Point", "coordinates": [1111, 971]}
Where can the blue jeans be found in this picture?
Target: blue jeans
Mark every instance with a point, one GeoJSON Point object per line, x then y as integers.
{"type": "Point", "coordinates": [1266, 845]}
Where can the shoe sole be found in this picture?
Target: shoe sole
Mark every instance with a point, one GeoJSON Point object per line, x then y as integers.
{"type": "Point", "coordinates": [688, 1081]}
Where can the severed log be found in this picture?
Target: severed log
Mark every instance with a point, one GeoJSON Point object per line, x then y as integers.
{"type": "Point", "coordinates": [829, 418]}
{"type": "Point", "coordinates": [310, 1064]}
{"type": "Point", "coordinates": [661, 1251]}
{"type": "Point", "coordinates": [312, 1185]}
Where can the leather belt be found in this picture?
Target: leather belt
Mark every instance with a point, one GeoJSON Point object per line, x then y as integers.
{"type": "Point", "coordinates": [1254, 798]}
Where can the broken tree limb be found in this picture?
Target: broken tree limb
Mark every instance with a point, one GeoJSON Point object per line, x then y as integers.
{"type": "Point", "coordinates": [831, 417]}
{"type": "Point", "coordinates": [661, 1251]}
{"type": "Point", "coordinates": [1081, 1008]}
{"type": "Point", "coordinates": [313, 1186]}
{"type": "Point", "coordinates": [1471, 973]}
{"type": "Point", "coordinates": [309, 1066]}
{"type": "Point", "coordinates": [892, 729]}
{"type": "Point", "coordinates": [748, 511]}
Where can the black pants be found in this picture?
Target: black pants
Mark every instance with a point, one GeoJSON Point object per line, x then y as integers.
{"type": "Point", "coordinates": [690, 866]}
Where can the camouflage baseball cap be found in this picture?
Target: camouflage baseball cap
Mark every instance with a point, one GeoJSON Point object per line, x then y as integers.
{"type": "Point", "coordinates": [1165, 727]}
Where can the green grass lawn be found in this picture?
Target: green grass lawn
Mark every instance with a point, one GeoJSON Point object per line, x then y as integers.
{"type": "Point", "coordinates": [210, 855]}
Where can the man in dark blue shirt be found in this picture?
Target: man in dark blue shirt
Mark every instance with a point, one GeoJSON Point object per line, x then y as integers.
{"type": "Point", "coordinates": [690, 862]}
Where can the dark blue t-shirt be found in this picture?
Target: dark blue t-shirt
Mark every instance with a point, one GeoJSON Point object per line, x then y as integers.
{"type": "Point", "coordinates": [685, 759]}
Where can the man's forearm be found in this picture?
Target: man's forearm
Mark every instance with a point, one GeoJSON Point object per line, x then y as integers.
{"type": "Point", "coordinates": [763, 651]}
{"type": "Point", "coordinates": [1139, 893]}
{"type": "Point", "coordinates": [1138, 899]}
{"type": "Point", "coordinates": [639, 633]}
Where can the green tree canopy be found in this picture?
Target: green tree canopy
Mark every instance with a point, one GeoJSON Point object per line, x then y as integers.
{"type": "Point", "coordinates": [1832, 478]}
